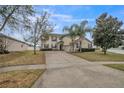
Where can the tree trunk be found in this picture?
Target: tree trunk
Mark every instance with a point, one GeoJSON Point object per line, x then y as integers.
{"type": "Point", "coordinates": [34, 49]}
{"type": "Point", "coordinates": [104, 50]}
{"type": "Point", "coordinates": [72, 45]}
{"type": "Point", "coordinates": [80, 46]}
{"type": "Point", "coordinates": [35, 31]}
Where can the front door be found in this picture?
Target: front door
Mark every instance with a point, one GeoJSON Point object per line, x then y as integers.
{"type": "Point", "coordinates": [61, 47]}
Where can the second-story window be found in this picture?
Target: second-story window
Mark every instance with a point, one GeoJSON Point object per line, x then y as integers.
{"type": "Point", "coordinates": [54, 38]}
{"type": "Point", "coordinates": [60, 38]}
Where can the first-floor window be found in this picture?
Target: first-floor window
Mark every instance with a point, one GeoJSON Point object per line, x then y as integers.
{"type": "Point", "coordinates": [53, 45]}
{"type": "Point", "coordinates": [77, 46]}
{"type": "Point", "coordinates": [89, 45]}
{"type": "Point", "coordinates": [46, 45]}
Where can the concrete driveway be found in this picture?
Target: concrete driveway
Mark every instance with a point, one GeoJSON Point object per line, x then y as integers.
{"type": "Point", "coordinates": [68, 71]}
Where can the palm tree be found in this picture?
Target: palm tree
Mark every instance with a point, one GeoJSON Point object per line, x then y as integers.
{"type": "Point", "coordinates": [81, 31]}
{"type": "Point", "coordinates": [71, 33]}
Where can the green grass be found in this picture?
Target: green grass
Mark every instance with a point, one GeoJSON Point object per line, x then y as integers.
{"type": "Point", "coordinates": [22, 58]}
{"type": "Point", "coordinates": [19, 79]}
{"type": "Point", "coordinates": [99, 56]}
{"type": "Point", "coordinates": [116, 66]}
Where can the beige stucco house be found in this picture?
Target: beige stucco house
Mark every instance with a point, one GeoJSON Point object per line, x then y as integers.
{"type": "Point", "coordinates": [13, 44]}
{"type": "Point", "coordinates": [56, 42]}
{"type": "Point", "coordinates": [52, 42]}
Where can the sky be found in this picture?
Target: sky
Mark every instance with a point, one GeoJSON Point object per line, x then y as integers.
{"type": "Point", "coordinates": [66, 15]}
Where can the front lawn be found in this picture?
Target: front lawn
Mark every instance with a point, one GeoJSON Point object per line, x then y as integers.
{"type": "Point", "coordinates": [99, 56]}
{"type": "Point", "coordinates": [19, 79]}
{"type": "Point", "coordinates": [22, 58]}
{"type": "Point", "coordinates": [116, 66]}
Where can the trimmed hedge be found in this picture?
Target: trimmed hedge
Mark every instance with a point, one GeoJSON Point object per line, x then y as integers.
{"type": "Point", "coordinates": [87, 50]}
{"type": "Point", "coordinates": [4, 52]}
{"type": "Point", "coordinates": [46, 49]}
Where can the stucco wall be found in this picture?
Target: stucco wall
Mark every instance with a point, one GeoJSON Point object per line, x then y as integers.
{"type": "Point", "coordinates": [67, 40]}
{"type": "Point", "coordinates": [86, 44]}
{"type": "Point", "coordinates": [13, 45]}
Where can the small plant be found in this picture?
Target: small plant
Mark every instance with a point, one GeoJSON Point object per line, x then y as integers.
{"type": "Point", "coordinates": [122, 48]}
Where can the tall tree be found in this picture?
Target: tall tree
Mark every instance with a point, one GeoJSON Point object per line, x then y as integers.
{"type": "Point", "coordinates": [105, 33]}
{"type": "Point", "coordinates": [15, 16]}
{"type": "Point", "coordinates": [39, 28]}
{"type": "Point", "coordinates": [71, 33]}
{"type": "Point", "coordinates": [81, 31]}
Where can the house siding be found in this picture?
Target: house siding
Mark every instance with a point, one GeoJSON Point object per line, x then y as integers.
{"type": "Point", "coordinates": [67, 47]}
{"type": "Point", "coordinates": [14, 45]}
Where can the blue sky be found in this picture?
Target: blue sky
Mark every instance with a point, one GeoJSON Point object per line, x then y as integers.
{"type": "Point", "coordinates": [62, 15]}
{"type": "Point", "coordinates": [69, 14]}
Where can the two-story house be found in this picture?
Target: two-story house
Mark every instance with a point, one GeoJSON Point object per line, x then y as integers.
{"type": "Point", "coordinates": [56, 42]}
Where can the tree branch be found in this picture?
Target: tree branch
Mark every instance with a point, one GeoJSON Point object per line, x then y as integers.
{"type": "Point", "coordinates": [7, 18]}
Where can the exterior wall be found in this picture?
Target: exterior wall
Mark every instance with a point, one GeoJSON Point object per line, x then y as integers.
{"type": "Point", "coordinates": [86, 44]}
{"type": "Point", "coordinates": [66, 45]}
{"type": "Point", "coordinates": [13, 45]}
{"type": "Point", "coordinates": [67, 40]}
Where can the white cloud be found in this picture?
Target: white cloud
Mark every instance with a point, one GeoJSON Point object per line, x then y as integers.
{"type": "Point", "coordinates": [78, 20]}
{"type": "Point", "coordinates": [63, 16]}
{"type": "Point", "coordinates": [69, 18]}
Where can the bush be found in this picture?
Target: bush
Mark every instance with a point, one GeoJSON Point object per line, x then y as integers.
{"type": "Point", "coordinates": [123, 48]}
{"type": "Point", "coordinates": [4, 52]}
{"type": "Point", "coordinates": [46, 49]}
{"type": "Point", "coordinates": [87, 50]}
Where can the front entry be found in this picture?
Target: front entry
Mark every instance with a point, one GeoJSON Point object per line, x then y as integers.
{"type": "Point", "coordinates": [61, 47]}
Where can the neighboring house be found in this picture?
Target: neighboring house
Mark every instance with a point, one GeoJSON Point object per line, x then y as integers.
{"type": "Point", "coordinates": [13, 44]}
{"type": "Point", "coordinates": [56, 42]}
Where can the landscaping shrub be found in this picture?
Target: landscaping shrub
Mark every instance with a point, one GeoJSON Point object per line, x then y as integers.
{"type": "Point", "coordinates": [4, 52]}
{"type": "Point", "coordinates": [123, 48]}
{"type": "Point", "coordinates": [87, 50]}
{"type": "Point", "coordinates": [46, 49]}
